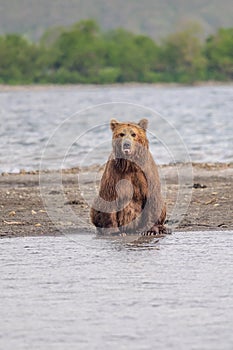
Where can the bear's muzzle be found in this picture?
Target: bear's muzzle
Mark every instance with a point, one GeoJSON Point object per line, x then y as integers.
{"type": "Point", "coordinates": [126, 147]}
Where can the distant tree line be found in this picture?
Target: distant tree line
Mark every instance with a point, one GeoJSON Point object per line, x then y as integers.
{"type": "Point", "coordinates": [85, 54]}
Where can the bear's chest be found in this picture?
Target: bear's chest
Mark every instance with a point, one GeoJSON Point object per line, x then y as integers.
{"type": "Point", "coordinates": [131, 186]}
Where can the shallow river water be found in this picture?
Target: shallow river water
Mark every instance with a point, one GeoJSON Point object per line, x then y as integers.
{"type": "Point", "coordinates": [80, 292]}
{"type": "Point", "coordinates": [72, 124]}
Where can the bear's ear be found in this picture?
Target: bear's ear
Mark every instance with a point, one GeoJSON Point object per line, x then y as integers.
{"type": "Point", "coordinates": [113, 124]}
{"type": "Point", "coordinates": [143, 123]}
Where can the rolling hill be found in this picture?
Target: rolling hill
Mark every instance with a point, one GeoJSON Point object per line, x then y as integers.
{"type": "Point", "coordinates": [153, 17]}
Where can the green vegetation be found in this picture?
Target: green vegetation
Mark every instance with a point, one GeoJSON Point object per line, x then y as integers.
{"type": "Point", "coordinates": [85, 54]}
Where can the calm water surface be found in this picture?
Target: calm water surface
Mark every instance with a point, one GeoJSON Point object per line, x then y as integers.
{"type": "Point", "coordinates": [202, 116]}
{"type": "Point", "coordinates": [79, 292]}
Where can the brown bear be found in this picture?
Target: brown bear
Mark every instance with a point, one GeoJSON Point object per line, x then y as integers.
{"type": "Point", "coordinates": [130, 199]}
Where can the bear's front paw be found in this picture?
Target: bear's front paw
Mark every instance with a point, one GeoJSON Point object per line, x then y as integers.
{"type": "Point", "coordinates": [157, 230]}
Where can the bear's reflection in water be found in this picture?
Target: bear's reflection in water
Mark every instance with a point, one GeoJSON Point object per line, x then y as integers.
{"type": "Point", "coordinates": [134, 241]}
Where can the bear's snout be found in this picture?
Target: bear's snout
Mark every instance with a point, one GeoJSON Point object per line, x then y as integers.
{"type": "Point", "coordinates": [126, 146]}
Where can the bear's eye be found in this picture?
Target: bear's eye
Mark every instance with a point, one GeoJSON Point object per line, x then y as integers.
{"type": "Point", "coordinates": [133, 134]}
{"type": "Point", "coordinates": [121, 134]}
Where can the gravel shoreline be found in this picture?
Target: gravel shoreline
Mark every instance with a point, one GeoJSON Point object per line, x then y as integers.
{"type": "Point", "coordinates": [42, 87]}
{"type": "Point", "coordinates": [33, 205]}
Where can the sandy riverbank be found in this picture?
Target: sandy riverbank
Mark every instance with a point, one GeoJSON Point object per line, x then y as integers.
{"type": "Point", "coordinates": [42, 87]}
{"type": "Point", "coordinates": [23, 211]}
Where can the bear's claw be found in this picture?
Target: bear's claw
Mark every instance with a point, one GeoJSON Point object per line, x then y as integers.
{"type": "Point", "coordinates": [157, 230]}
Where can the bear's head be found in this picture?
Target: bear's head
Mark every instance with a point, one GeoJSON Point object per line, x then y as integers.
{"type": "Point", "coordinates": [129, 139]}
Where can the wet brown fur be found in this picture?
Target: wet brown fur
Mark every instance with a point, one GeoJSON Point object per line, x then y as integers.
{"type": "Point", "coordinates": [138, 207]}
